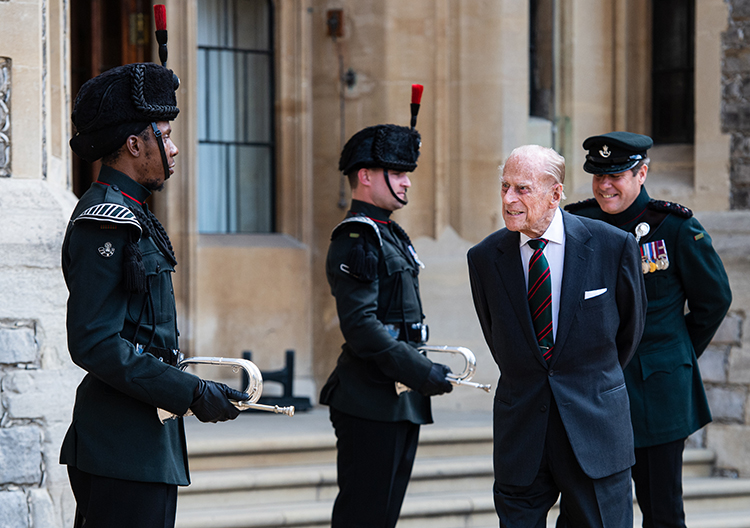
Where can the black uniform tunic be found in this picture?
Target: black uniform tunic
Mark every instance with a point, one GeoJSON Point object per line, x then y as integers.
{"type": "Point", "coordinates": [372, 359]}
{"type": "Point", "coordinates": [115, 431]}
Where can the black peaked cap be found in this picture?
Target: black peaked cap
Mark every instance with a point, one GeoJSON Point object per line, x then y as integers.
{"type": "Point", "coordinates": [615, 152]}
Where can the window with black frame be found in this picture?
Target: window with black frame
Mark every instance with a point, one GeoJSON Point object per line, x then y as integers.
{"type": "Point", "coordinates": [673, 71]}
{"type": "Point", "coordinates": [236, 116]}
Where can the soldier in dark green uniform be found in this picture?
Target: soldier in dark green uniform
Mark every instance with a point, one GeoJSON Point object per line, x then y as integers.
{"type": "Point", "coordinates": [124, 465]}
{"type": "Point", "coordinates": [667, 399]}
{"type": "Point", "coordinates": [373, 270]}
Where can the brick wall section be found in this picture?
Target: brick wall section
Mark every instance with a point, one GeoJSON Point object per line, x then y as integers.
{"type": "Point", "coordinates": [28, 399]}
{"type": "Point", "coordinates": [21, 456]}
{"type": "Point", "coordinates": [736, 99]}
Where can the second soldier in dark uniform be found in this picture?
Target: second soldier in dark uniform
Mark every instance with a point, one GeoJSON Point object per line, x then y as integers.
{"type": "Point", "coordinates": [667, 398]}
{"type": "Point", "coordinates": [373, 270]}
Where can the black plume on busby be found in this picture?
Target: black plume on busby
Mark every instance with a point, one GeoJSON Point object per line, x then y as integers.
{"type": "Point", "coordinates": [389, 147]}
{"type": "Point", "coordinates": [119, 103]}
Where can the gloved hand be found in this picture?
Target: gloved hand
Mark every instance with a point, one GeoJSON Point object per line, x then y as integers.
{"type": "Point", "coordinates": [212, 402]}
{"type": "Point", "coordinates": [436, 383]}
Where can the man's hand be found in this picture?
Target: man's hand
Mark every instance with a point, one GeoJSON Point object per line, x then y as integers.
{"type": "Point", "coordinates": [436, 383]}
{"type": "Point", "coordinates": [212, 402]}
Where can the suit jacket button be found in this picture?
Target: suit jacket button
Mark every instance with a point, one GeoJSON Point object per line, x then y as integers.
{"type": "Point", "coordinates": [543, 408]}
{"type": "Point", "coordinates": [551, 372]}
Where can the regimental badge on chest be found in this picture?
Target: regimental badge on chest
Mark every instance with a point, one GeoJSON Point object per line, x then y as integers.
{"type": "Point", "coordinates": [107, 250]}
{"type": "Point", "coordinates": [654, 256]}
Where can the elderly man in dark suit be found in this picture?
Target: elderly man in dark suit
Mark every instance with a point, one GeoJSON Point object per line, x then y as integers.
{"type": "Point", "coordinates": [561, 411]}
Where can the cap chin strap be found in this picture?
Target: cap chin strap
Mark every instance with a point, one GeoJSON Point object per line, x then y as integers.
{"type": "Point", "coordinates": [388, 183]}
{"type": "Point", "coordinates": [160, 142]}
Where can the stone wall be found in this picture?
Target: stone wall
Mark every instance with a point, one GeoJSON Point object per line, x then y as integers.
{"type": "Point", "coordinates": [735, 112]}
{"type": "Point", "coordinates": [37, 378]}
{"type": "Point", "coordinates": [37, 383]}
{"type": "Point", "coordinates": [725, 365]}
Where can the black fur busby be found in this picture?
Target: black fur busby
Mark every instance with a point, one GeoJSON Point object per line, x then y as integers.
{"type": "Point", "coordinates": [389, 147]}
{"type": "Point", "coordinates": [119, 103]}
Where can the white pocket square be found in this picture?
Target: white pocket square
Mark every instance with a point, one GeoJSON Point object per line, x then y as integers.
{"type": "Point", "coordinates": [594, 293]}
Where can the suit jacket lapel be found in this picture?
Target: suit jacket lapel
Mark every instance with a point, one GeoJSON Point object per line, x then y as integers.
{"type": "Point", "coordinates": [510, 270]}
{"type": "Point", "coordinates": [577, 259]}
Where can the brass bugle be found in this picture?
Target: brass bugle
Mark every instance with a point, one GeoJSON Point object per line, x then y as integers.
{"type": "Point", "coordinates": [254, 385]}
{"type": "Point", "coordinates": [462, 378]}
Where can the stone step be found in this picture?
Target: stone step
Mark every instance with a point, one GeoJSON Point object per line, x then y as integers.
{"type": "Point", "coordinates": [266, 485]}
{"type": "Point", "coordinates": [318, 482]}
{"type": "Point", "coordinates": [273, 472]}
{"type": "Point", "coordinates": [231, 451]}
{"type": "Point", "coordinates": [705, 500]}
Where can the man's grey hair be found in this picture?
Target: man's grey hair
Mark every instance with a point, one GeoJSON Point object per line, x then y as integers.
{"type": "Point", "coordinates": [554, 163]}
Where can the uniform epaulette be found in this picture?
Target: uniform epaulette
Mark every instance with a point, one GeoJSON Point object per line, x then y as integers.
{"type": "Point", "coordinates": [361, 262]}
{"type": "Point", "coordinates": [670, 207]}
{"type": "Point", "coordinates": [362, 220]}
{"type": "Point", "coordinates": [110, 212]}
{"type": "Point", "coordinates": [591, 202]}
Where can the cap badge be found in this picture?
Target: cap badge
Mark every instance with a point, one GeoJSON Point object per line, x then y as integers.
{"type": "Point", "coordinates": [604, 152]}
{"type": "Point", "coordinates": [107, 251]}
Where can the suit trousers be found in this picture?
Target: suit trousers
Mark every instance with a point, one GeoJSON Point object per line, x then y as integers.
{"type": "Point", "coordinates": [587, 502]}
{"type": "Point", "coordinates": [374, 463]}
{"type": "Point", "coordinates": [657, 474]}
{"type": "Point", "coordinates": [103, 502]}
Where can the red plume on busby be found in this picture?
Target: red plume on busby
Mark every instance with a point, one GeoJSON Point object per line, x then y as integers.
{"type": "Point", "coordinates": [160, 18]}
{"type": "Point", "coordinates": [416, 99]}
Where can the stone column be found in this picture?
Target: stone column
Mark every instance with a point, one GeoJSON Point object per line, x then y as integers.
{"type": "Point", "coordinates": [37, 379]}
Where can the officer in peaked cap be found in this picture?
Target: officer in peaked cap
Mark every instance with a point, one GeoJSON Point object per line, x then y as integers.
{"type": "Point", "coordinates": [124, 465]}
{"type": "Point", "coordinates": [373, 270]}
{"type": "Point", "coordinates": [667, 398]}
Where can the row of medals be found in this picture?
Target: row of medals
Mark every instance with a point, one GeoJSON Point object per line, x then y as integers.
{"type": "Point", "coordinates": [650, 265]}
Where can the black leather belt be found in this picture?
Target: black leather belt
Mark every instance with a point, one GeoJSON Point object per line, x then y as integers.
{"type": "Point", "coordinates": [414, 332]}
{"type": "Point", "coordinates": [167, 355]}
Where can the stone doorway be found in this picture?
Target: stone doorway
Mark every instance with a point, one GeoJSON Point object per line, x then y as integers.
{"type": "Point", "coordinates": [105, 34]}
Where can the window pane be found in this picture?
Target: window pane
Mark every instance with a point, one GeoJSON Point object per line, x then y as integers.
{"type": "Point", "coordinates": [673, 71]}
{"type": "Point", "coordinates": [236, 120]}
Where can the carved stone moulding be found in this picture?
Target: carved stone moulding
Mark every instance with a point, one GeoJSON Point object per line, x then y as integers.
{"type": "Point", "coordinates": [5, 64]}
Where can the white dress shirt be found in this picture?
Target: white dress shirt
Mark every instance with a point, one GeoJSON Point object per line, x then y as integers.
{"type": "Point", "coordinates": [554, 252]}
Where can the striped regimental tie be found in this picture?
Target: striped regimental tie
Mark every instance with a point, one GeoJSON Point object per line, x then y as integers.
{"type": "Point", "coordinates": [540, 296]}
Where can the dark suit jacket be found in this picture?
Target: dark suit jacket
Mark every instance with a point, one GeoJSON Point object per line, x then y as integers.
{"type": "Point", "coordinates": [596, 337]}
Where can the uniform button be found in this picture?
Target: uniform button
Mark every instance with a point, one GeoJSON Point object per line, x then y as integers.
{"type": "Point", "coordinates": [551, 372]}
{"type": "Point", "coordinates": [543, 408]}
{"type": "Point", "coordinates": [115, 188]}
{"type": "Point", "coordinates": [158, 267]}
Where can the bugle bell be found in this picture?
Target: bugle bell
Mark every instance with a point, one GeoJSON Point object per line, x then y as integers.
{"type": "Point", "coordinates": [462, 378]}
{"type": "Point", "coordinates": [254, 385]}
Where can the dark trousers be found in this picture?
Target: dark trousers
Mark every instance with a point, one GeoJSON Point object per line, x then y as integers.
{"type": "Point", "coordinates": [374, 463]}
{"type": "Point", "coordinates": [103, 502]}
{"type": "Point", "coordinates": [658, 484]}
{"type": "Point", "coordinates": [586, 502]}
